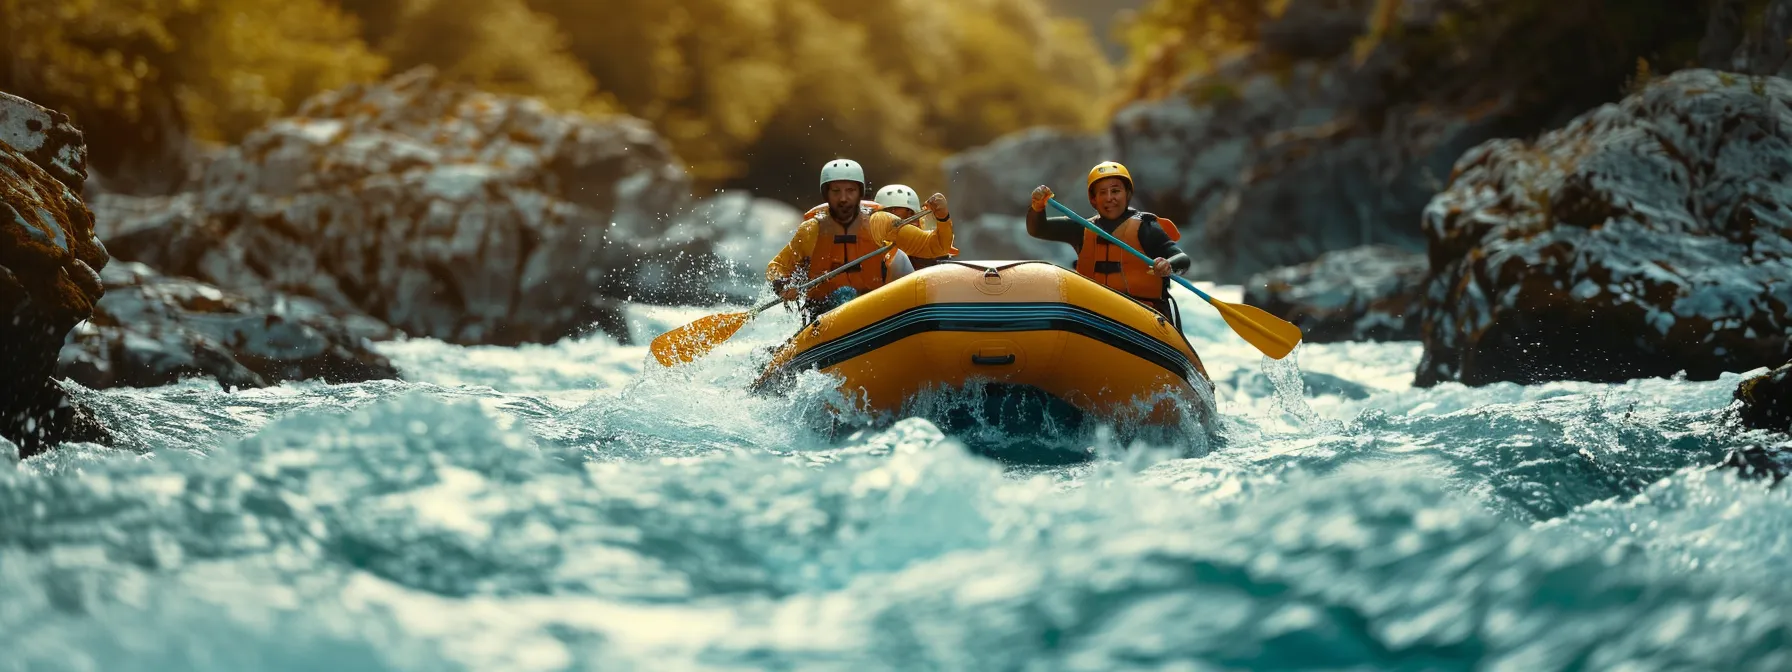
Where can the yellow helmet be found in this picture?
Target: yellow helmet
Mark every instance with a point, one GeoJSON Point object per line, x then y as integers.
{"type": "Point", "coordinates": [1108, 169]}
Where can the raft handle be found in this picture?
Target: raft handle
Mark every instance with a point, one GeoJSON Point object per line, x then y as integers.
{"type": "Point", "coordinates": [1002, 359]}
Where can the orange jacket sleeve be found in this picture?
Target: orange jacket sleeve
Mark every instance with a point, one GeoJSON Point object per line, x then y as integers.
{"type": "Point", "coordinates": [916, 241]}
{"type": "Point", "coordinates": [801, 245]}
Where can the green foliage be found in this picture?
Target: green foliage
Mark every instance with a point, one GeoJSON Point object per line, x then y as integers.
{"type": "Point", "coordinates": [125, 70]}
{"type": "Point", "coordinates": [757, 93]}
{"type": "Point", "coordinates": [244, 61]}
{"type": "Point", "coordinates": [1576, 52]}
{"type": "Point", "coordinates": [497, 45]}
{"type": "Point", "coordinates": [751, 93]}
{"type": "Point", "coordinates": [1171, 39]}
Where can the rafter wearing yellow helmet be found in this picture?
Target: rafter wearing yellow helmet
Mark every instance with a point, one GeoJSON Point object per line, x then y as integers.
{"type": "Point", "coordinates": [1110, 193]}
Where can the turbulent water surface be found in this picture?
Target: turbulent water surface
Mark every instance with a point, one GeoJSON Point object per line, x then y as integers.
{"type": "Point", "coordinates": [573, 507]}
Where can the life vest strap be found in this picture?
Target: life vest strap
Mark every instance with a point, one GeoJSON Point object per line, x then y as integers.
{"type": "Point", "coordinates": [1107, 267]}
{"type": "Point", "coordinates": [846, 238]}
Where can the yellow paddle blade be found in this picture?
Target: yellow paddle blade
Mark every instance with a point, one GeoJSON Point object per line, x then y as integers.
{"type": "Point", "coordinates": [696, 339]}
{"type": "Point", "coordinates": [1275, 336]}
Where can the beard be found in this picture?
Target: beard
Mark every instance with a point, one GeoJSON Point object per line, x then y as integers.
{"type": "Point", "coordinates": [844, 215]}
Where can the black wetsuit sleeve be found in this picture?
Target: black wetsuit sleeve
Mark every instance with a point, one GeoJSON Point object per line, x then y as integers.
{"type": "Point", "coordinates": [1060, 229]}
{"type": "Point", "coordinates": [1158, 244]}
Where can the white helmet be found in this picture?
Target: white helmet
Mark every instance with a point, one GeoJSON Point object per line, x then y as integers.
{"type": "Point", "coordinates": [842, 169]}
{"type": "Point", "coordinates": [898, 196]}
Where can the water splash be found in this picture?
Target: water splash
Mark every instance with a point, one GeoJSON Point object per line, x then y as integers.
{"type": "Point", "coordinates": [574, 507]}
{"type": "Point", "coordinates": [1290, 393]}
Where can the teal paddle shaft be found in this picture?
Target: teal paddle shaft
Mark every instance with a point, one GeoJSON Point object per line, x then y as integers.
{"type": "Point", "coordinates": [1092, 227]}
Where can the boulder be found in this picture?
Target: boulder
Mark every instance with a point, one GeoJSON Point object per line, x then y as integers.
{"type": "Point", "coordinates": [45, 138]}
{"type": "Point", "coordinates": [439, 209]}
{"type": "Point", "coordinates": [1320, 137]}
{"type": "Point", "coordinates": [48, 273]}
{"type": "Point", "coordinates": [1647, 237]}
{"type": "Point", "coordinates": [998, 178]}
{"type": "Point", "coordinates": [1296, 148]}
{"type": "Point", "coordinates": [1368, 293]}
{"type": "Point", "coordinates": [154, 330]}
{"type": "Point", "coordinates": [1759, 463]}
{"type": "Point", "coordinates": [1767, 400]}
{"type": "Point", "coordinates": [991, 186]}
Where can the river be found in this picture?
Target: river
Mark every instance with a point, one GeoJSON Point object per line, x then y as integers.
{"type": "Point", "coordinates": [572, 507]}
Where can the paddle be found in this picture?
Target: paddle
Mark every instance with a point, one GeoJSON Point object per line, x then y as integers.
{"type": "Point", "coordinates": [1270, 334]}
{"type": "Point", "coordinates": [687, 343]}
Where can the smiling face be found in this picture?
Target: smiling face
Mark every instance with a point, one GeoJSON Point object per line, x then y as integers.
{"type": "Point", "coordinates": [843, 199]}
{"type": "Point", "coordinates": [1109, 196]}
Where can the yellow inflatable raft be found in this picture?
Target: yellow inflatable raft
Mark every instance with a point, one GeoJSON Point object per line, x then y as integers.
{"type": "Point", "coordinates": [1028, 325]}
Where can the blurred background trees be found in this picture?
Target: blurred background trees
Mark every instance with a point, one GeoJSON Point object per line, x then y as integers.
{"type": "Point", "coordinates": [751, 93]}
{"type": "Point", "coordinates": [139, 76]}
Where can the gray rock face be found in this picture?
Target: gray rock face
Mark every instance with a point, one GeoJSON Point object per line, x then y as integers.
{"type": "Point", "coordinates": [443, 211]}
{"type": "Point", "coordinates": [991, 188]}
{"type": "Point", "coordinates": [1646, 237]}
{"type": "Point", "coordinates": [998, 178]}
{"type": "Point", "coordinates": [48, 273]}
{"type": "Point", "coordinates": [1369, 293]}
{"type": "Point", "coordinates": [1305, 145]}
{"type": "Point", "coordinates": [154, 330]}
{"type": "Point", "coordinates": [1264, 167]}
{"type": "Point", "coordinates": [1269, 161]}
{"type": "Point", "coordinates": [46, 138]}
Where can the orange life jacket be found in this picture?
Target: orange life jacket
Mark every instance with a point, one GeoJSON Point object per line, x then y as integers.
{"type": "Point", "coordinates": [835, 245]}
{"type": "Point", "coordinates": [1117, 269]}
{"type": "Point", "coordinates": [870, 207]}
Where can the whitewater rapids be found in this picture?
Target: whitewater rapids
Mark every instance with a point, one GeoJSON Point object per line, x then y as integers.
{"type": "Point", "coordinates": [571, 507]}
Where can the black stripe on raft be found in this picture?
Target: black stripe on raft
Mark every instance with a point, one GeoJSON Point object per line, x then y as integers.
{"type": "Point", "coordinates": [992, 318]}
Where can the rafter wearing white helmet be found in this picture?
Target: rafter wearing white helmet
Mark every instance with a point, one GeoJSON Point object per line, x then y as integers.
{"type": "Point", "coordinates": [846, 231]}
{"type": "Point", "coordinates": [842, 169]}
{"type": "Point", "coordinates": [899, 196]}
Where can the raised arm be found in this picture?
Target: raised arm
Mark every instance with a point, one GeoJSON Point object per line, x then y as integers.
{"type": "Point", "coordinates": [918, 242]}
{"type": "Point", "coordinates": [1060, 229]}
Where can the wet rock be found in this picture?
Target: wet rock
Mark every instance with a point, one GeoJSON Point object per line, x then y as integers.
{"type": "Point", "coordinates": [48, 273]}
{"type": "Point", "coordinates": [46, 138]}
{"type": "Point", "coordinates": [170, 232]}
{"type": "Point", "coordinates": [154, 330]}
{"type": "Point", "coordinates": [441, 210]}
{"type": "Point", "coordinates": [1767, 400]}
{"type": "Point", "coordinates": [1296, 149]}
{"type": "Point", "coordinates": [1320, 137]}
{"type": "Point", "coordinates": [1646, 237]}
{"type": "Point", "coordinates": [1368, 293]}
{"type": "Point", "coordinates": [1756, 462]}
